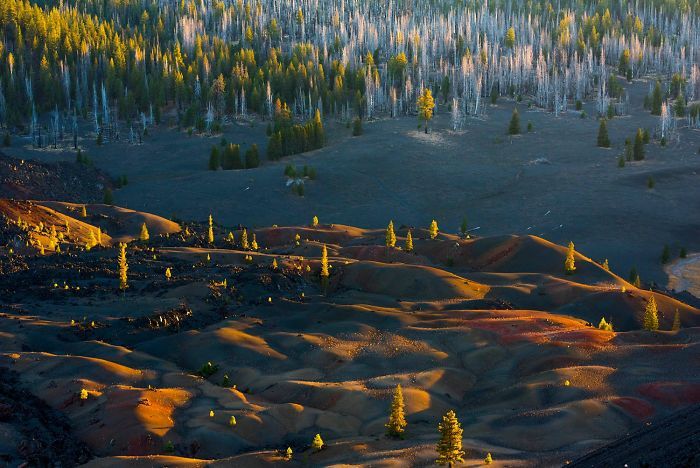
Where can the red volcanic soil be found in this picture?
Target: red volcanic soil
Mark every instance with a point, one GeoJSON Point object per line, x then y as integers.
{"type": "Point", "coordinates": [672, 393]}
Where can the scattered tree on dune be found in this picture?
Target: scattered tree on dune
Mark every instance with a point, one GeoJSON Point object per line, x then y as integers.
{"type": "Point", "coordinates": [143, 235]}
{"type": "Point", "coordinates": [123, 266]}
{"type": "Point", "coordinates": [314, 221]}
{"type": "Point", "coordinates": [168, 274]}
{"type": "Point", "coordinates": [433, 230]}
{"type": "Point", "coordinates": [210, 232]}
{"type": "Point", "coordinates": [396, 425]}
{"type": "Point", "coordinates": [570, 262]}
{"type": "Point", "coordinates": [390, 235]}
{"type": "Point", "coordinates": [324, 263]}
{"type": "Point", "coordinates": [317, 443]}
{"type": "Point", "coordinates": [488, 460]}
{"type": "Point", "coordinates": [449, 447]}
{"type": "Point", "coordinates": [83, 212]}
{"type": "Point", "coordinates": [409, 242]}
{"type": "Point", "coordinates": [425, 105]}
{"type": "Point", "coordinates": [651, 315]}
{"type": "Point", "coordinates": [254, 243]}
{"type": "Point", "coordinates": [606, 265]}
{"type": "Point", "coordinates": [605, 325]}
{"type": "Point", "coordinates": [244, 240]}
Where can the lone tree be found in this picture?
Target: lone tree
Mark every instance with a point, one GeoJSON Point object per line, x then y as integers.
{"type": "Point", "coordinates": [144, 236]}
{"type": "Point", "coordinates": [214, 161]}
{"type": "Point", "coordinates": [449, 447]}
{"type": "Point", "coordinates": [123, 267]}
{"type": "Point", "coordinates": [425, 105]}
{"type": "Point", "coordinates": [210, 232]}
{"type": "Point", "coordinates": [433, 229]}
{"type": "Point", "coordinates": [514, 127]}
{"type": "Point", "coordinates": [314, 221]}
{"type": "Point", "coordinates": [317, 443]}
{"type": "Point", "coordinates": [603, 138]}
{"type": "Point", "coordinates": [396, 425]}
{"type": "Point", "coordinates": [390, 235]}
{"type": "Point", "coordinates": [638, 149]}
{"type": "Point", "coordinates": [651, 315]}
{"type": "Point", "coordinates": [324, 263]}
{"type": "Point", "coordinates": [570, 263]}
{"type": "Point", "coordinates": [409, 242]}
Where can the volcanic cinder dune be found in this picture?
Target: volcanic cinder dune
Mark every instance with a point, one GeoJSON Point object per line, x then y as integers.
{"type": "Point", "coordinates": [242, 353]}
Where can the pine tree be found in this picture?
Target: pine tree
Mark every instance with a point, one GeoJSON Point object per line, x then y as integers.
{"type": "Point", "coordinates": [433, 230]}
{"type": "Point", "coordinates": [324, 263]}
{"type": "Point", "coordinates": [449, 447]}
{"type": "Point", "coordinates": [651, 316]}
{"type": "Point", "coordinates": [108, 198]}
{"type": "Point", "coordinates": [514, 127]}
{"type": "Point", "coordinates": [463, 227]}
{"type": "Point", "coordinates": [83, 212]}
{"type": "Point", "coordinates": [425, 105]}
{"type": "Point", "coordinates": [123, 267]}
{"type": "Point", "coordinates": [314, 221]}
{"type": "Point", "coordinates": [488, 460]}
{"type": "Point", "coordinates": [168, 274]}
{"type": "Point", "coordinates": [252, 157]}
{"type": "Point", "coordinates": [603, 138]}
{"type": "Point", "coordinates": [214, 162]}
{"type": "Point", "coordinates": [656, 100]}
{"type": "Point", "coordinates": [409, 242]}
{"type": "Point", "coordinates": [254, 243]}
{"type": "Point", "coordinates": [509, 39]}
{"type": "Point", "coordinates": [396, 425]}
{"type": "Point", "coordinates": [638, 149]}
{"type": "Point", "coordinates": [676, 321]}
{"type": "Point", "coordinates": [144, 236]}
{"type": "Point", "coordinates": [317, 443]}
{"type": "Point", "coordinates": [288, 454]}
{"type": "Point", "coordinates": [210, 232]}
{"type": "Point", "coordinates": [606, 265]}
{"type": "Point", "coordinates": [570, 262]}
{"type": "Point", "coordinates": [634, 277]}
{"type": "Point", "coordinates": [244, 240]}
{"type": "Point", "coordinates": [390, 235]}
{"type": "Point", "coordinates": [357, 127]}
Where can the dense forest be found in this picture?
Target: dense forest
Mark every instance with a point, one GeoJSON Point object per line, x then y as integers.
{"type": "Point", "coordinates": [107, 61]}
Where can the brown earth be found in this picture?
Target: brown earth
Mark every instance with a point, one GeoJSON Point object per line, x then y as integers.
{"type": "Point", "coordinates": [491, 327]}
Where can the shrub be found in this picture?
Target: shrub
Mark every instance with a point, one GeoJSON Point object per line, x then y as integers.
{"type": "Point", "coordinates": [357, 127]}
{"type": "Point", "coordinates": [252, 157]}
{"type": "Point", "coordinates": [208, 369]}
{"type": "Point", "coordinates": [514, 126]}
{"type": "Point", "coordinates": [214, 162]}
{"type": "Point", "coordinates": [650, 183]}
{"type": "Point", "coordinates": [317, 443]}
{"type": "Point", "coordinates": [603, 138]}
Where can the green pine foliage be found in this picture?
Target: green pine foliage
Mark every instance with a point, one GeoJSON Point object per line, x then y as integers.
{"type": "Point", "coordinates": [514, 126]}
{"type": "Point", "coordinates": [449, 447]}
{"type": "Point", "coordinates": [651, 315]}
{"type": "Point", "coordinates": [603, 138]}
{"type": "Point", "coordinates": [231, 158]}
{"type": "Point", "coordinates": [214, 161]}
{"type": "Point", "coordinates": [252, 157]}
{"type": "Point", "coordinates": [396, 425]}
